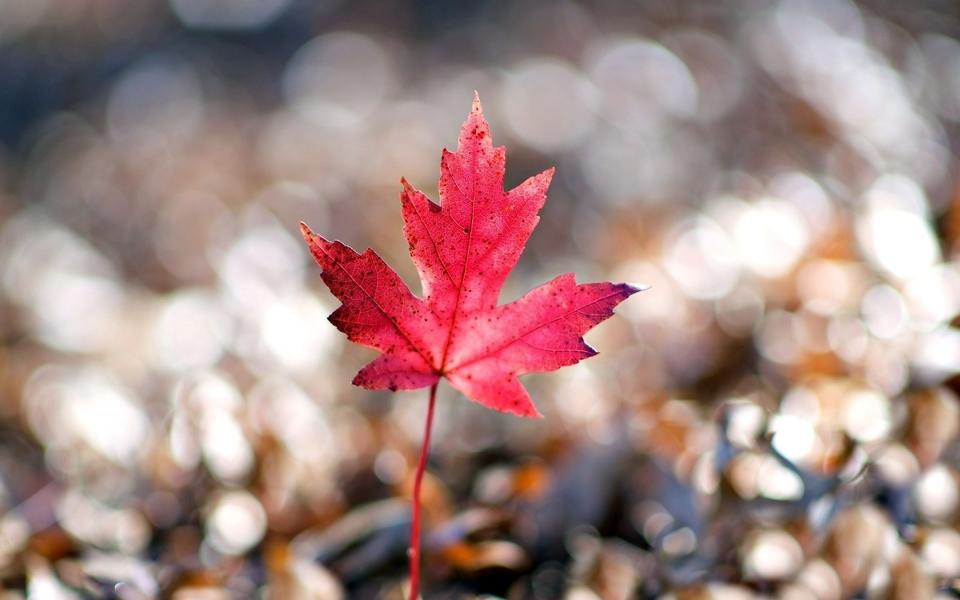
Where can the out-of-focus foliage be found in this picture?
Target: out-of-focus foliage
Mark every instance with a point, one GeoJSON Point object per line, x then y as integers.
{"type": "Point", "coordinates": [778, 415]}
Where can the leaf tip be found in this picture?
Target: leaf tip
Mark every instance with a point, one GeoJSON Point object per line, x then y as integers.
{"type": "Point", "coordinates": [636, 287]}
{"type": "Point", "coordinates": [361, 381]}
{"type": "Point", "coordinates": [477, 108]}
{"type": "Point", "coordinates": [529, 411]}
{"type": "Point", "coordinates": [305, 231]}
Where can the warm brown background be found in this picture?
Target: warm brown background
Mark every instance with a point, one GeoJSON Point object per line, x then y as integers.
{"type": "Point", "coordinates": [777, 415]}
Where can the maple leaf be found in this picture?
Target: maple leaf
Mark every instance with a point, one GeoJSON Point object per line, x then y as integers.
{"type": "Point", "coordinates": [464, 249]}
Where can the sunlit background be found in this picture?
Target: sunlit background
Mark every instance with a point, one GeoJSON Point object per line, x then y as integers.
{"type": "Point", "coordinates": [777, 416]}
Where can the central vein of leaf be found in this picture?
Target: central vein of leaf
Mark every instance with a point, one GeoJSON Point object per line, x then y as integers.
{"type": "Point", "coordinates": [517, 338]}
{"type": "Point", "coordinates": [466, 257]}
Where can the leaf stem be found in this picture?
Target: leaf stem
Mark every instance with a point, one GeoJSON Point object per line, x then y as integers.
{"type": "Point", "coordinates": [418, 479]}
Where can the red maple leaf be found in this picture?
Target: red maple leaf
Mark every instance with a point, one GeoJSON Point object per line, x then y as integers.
{"type": "Point", "coordinates": [464, 249]}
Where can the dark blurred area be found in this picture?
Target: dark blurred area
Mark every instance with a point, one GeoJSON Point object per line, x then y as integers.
{"type": "Point", "coordinates": [776, 417]}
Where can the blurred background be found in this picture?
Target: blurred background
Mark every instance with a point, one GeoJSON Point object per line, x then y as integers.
{"type": "Point", "coordinates": [777, 416]}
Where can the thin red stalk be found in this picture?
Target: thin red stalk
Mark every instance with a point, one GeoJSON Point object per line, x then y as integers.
{"type": "Point", "coordinates": [418, 479]}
